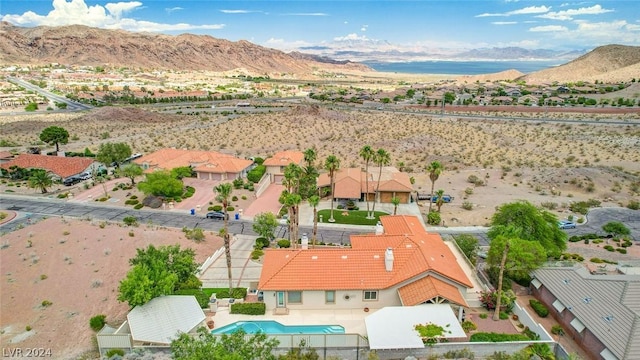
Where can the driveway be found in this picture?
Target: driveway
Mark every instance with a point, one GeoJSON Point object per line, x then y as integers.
{"type": "Point", "coordinates": [268, 201]}
{"type": "Point", "coordinates": [201, 198]}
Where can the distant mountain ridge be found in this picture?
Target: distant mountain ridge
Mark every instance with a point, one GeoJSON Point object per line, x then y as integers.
{"type": "Point", "coordinates": [82, 45]}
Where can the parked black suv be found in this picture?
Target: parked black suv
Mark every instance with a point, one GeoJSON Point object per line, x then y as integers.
{"type": "Point", "coordinates": [71, 180]}
{"type": "Point", "coordinates": [217, 215]}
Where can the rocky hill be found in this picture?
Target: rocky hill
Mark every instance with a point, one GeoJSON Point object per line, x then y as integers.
{"type": "Point", "coordinates": [610, 63]}
{"type": "Point", "coordinates": [82, 45]}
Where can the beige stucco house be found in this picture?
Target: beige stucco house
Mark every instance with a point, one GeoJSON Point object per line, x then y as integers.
{"type": "Point", "coordinates": [351, 183]}
{"type": "Point", "coordinates": [275, 165]}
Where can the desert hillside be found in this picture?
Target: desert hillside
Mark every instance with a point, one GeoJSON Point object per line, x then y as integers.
{"type": "Point", "coordinates": [82, 45]}
{"type": "Point", "coordinates": [610, 63]}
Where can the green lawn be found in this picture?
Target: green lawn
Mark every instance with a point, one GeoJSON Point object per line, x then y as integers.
{"type": "Point", "coordinates": [354, 217]}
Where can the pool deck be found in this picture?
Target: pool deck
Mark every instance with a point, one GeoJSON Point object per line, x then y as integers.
{"type": "Point", "coordinates": [351, 320]}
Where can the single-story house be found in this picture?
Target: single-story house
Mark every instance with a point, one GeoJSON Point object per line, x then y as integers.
{"type": "Point", "coordinates": [208, 165]}
{"type": "Point", "coordinates": [60, 167]}
{"type": "Point", "coordinates": [275, 164]}
{"type": "Point", "coordinates": [601, 313]}
{"type": "Point", "coordinates": [5, 156]}
{"type": "Point", "coordinates": [155, 323]}
{"type": "Point", "coordinates": [351, 183]}
{"type": "Point", "coordinates": [400, 265]}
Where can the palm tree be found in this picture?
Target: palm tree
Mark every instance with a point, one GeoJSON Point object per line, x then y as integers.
{"type": "Point", "coordinates": [434, 169]}
{"type": "Point", "coordinates": [332, 164]}
{"type": "Point", "coordinates": [366, 153]}
{"type": "Point", "coordinates": [224, 193]}
{"type": "Point", "coordinates": [310, 156]}
{"type": "Point", "coordinates": [440, 201]}
{"type": "Point", "coordinates": [314, 200]}
{"type": "Point", "coordinates": [381, 158]}
{"type": "Point", "coordinates": [40, 180]}
{"type": "Point", "coordinates": [395, 201]}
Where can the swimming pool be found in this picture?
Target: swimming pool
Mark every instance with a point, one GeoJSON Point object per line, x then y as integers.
{"type": "Point", "coordinates": [274, 327]}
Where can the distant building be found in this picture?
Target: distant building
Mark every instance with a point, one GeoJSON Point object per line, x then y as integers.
{"type": "Point", "coordinates": [60, 167]}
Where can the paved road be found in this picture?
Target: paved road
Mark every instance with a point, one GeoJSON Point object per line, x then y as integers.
{"type": "Point", "coordinates": [71, 105]}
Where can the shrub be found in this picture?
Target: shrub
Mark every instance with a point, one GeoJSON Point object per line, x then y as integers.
{"type": "Point", "coordinates": [131, 202]}
{"type": "Point", "coordinates": [97, 322]}
{"type": "Point", "coordinates": [468, 191]}
{"type": "Point", "coordinates": [249, 308]}
{"type": "Point", "coordinates": [130, 221]}
{"type": "Point", "coordinates": [608, 248]}
{"type": "Point", "coordinates": [216, 207]}
{"type": "Point", "coordinates": [244, 197]}
{"type": "Point", "coordinates": [261, 243]}
{"type": "Point", "coordinates": [467, 205]}
{"type": "Point", "coordinates": [633, 205]}
{"type": "Point", "coordinates": [113, 352]}
{"type": "Point", "coordinates": [256, 173]}
{"type": "Point", "coordinates": [230, 208]}
{"type": "Point", "coordinates": [503, 315]}
{"type": "Point", "coordinates": [234, 198]}
{"type": "Point", "coordinates": [539, 308]}
{"type": "Point", "coordinates": [255, 254]}
{"type": "Point", "coordinates": [469, 326]}
{"type": "Point", "coordinates": [497, 337]}
{"type": "Point", "coordinates": [203, 299]}
{"type": "Point", "coordinates": [621, 250]}
{"type": "Point", "coordinates": [557, 330]}
{"type": "Point", "coordinates": [484, 316]}
{"type": "Point", "coordinates": [433, 218]}
{"type": "Point", "coordinates": [46, 303]}
{"type": "Point", "coordinates": [237, 184]}
{"type": "Point", "coordinates": [138, 206]}
{"type": "Point", "coordinates": [550, 205]}
{"type": "Point", "coordinates": [133, 197]}
{"type": "Point", "coordinates": [284, 243]}
{"type": "Point", "coordinates": [236, 293]}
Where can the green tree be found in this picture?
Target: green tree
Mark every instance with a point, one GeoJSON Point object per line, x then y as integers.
{"type": "Point", "coordinates": [332, 164]}
{"type": "Point", "coordinates": [310, 156]}
{"type": "Point", "coordinates": [532, 223]}
{"type": "Point", "coordinates": [616, 228]}
{"type": "Point", "coordinates": [55, 135]}
{"type": "Point", "coordinates": [161, 183]}
{"type": "Point", "coordinates": [308, 184]}
{"type": "Point", "coordinates": [40, 180]}
{"type": "Point", "coordinates": [131, 171]}
{"type": "Point", "coordinates": [395, 201]}
{"type": "Point", "coordinates": [314, 200]}
{"type": "Point", "coordinates": [143, 284]}
{"type": "Point", "coordinates": [109, 153]}
{"type": "Point", "coordinates": [182, 172]}
{"type": "Point", "coordinates": [513, 255]}
{"type": "Point", "coordinates": [434, 169]}
{"type": "Point", "coordinates": [223, 192]}
{"type": "Point", "coordinates": [31, 107]}
{"type": "Point", "coordinates": [366, 153]}
{"type": "Point", "coordinates": [380, 158]}
{"type": "Point", "coordinates": [440, 200]}
{"type": "Point", "coordinates": [265, 224]}
{"type": "Point", "coordinates": [237, 346]}
{"type": "Point", "coordinates": [468, 244]}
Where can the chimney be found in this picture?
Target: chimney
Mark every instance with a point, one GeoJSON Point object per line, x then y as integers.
{"type": "Point", "coordinates": [304, 241]}
{"type": "Point", "coordinates": [388, 259]}
{"type": "Point", "coordinates": [379, 228]}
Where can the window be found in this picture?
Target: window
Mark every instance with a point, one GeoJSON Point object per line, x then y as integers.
{"type": "Point", "coordinates": [294, 297]}
{"type": "Point", "coordinates": [330, 297]}
{"type": "Point", "coordinates": [370, 295]}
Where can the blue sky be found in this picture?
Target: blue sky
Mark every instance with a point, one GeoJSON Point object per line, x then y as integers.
{"type": "Point", "coordinates": [356, 24]}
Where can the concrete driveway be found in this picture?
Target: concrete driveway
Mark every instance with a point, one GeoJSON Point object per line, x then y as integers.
{"type": "Point", "coordinates": [244, 271]}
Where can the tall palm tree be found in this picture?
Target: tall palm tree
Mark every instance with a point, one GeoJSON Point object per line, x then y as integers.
{"type": "Point", "coordinates": [366, 153]}
{"type": "Point", "coordinates": [434, 169]}
{"type": "Point", "coordinates": [380, 158]}
{"type": "Point", "coordinates": [314, 200]}
{"type": "Point", "coordinates": [40, 180]}
{"type": "Point", "coordinates": [223, 194]}
{"type": "Point", "coordinates": [310, 156]}
{"type": "Point", "coordinates": [332, 164]}
{"type": "Point", "coordinates": [395, 201]}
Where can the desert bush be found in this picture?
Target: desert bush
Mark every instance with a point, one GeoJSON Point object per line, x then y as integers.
{"type": "Point", "coordinates": [550, 205]}
{"type": "Point", "coordinates": [469, 326]}
{"type": "Point", "coordinates": [468, 191]}
{"type": "Point", "coordinates": [130, 221]}
{"type": "Point", "coordinates": [434, 218]}
{"type": "Point", "coordinates": [230, 208]}
{"type": "Point", "coordinates": [138, 206]}
{"type": "Point", "coordinates": [237, 183]}
{"type": "Point", "coordinates": [97, 322]}
{"type": "Point", "coordinates": [557, 330]}
{"type": "Point", "coordinates": [217, 208]}
{"type": "Point", "coordinates": [255, 254]}
{"type": "Point", "coordinates": [284, 243]}
{"type": "Point", "coordinates": [621, 250]}
{"type": "Point", "coordinates": [467, 205]}
{"type": "Point", "coordinates": [249, 308]}
{"type": "Point", "coordinates": [234, 198]}
{"type": "Point", "coordinates": [539, 308]}
{"type": "Point", "coordinates": [131, 202]}
{"type": "Point", "coordinates": [46, 303]}
{"type": "Point", "coordinates": [608, 248]}
{"type": "Point", "coordinates": [633, 205]}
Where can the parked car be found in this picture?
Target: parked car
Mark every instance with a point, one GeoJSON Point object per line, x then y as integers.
{"type": "Point", "coordinates": [445, 198]}
{"type": "Point", "coordinates": [216, 215]}
{"type": "Point", "coordinates": [565, 224]}
{"type": "Point", "coordinates": [71, 180]}
{"type": "Point", "coordinates": [85, 176]}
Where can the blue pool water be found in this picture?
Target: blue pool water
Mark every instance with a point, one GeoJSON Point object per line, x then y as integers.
{"type": "Point", "coordinates": [274, 327]}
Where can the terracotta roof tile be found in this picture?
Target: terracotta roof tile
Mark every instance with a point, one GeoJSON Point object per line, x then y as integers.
{"type": "Point", "coordinates": [61, 166]}
{"type": "Point", "coordinates": [203, 161]}
{"type": "Point", "coordinates": [415, 251]}
{"type": "Point", "coordinates": [426, 289]}
{"type": "Point", "coordinates": [390, 180]}
{"type": "Point", "coordinates": [284, 158]}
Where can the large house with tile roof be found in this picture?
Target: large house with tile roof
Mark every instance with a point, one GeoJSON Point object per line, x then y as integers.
{"type": "Point", "coordinates": [351, 183]}
{"type": "Point", "coordinates": [278, 162]}
{"type": "Point", "coordinates": [400, 265]}
{"type": "Point", "coordinates": [601, 313]}
{"type": "Point", "coordinates": [208, 165]}
{"type": "Point", "coordinates": [60, 167]}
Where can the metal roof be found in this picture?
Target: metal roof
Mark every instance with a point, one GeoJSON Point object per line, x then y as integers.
{"type": "Point", "coordinates": [606, 305]}
{"type": "Point", "coordinates": [162, 318]}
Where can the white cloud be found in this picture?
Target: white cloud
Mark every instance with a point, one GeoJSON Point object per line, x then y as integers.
{"type": "Point", "coordinates": [364, 28]}
{"type": "Point", "coordinates": [591, 34]}
{"type": "Point", "coordinates": [523, 11]}
{"type": "Point", "coordinates": [350, 37]}
{"type": "Point", "coordinates": [548, 28]}
{"type": "Point", "coordinates": [305, 14]}
{"type": "Point", "coordinates": [504, 22]}
{"type": "Point", "coordinates": [239, 11]}
{"type": "Point", "coordinates": [569, 14]}
{"type": "Point", "coordinates": [109, 16]}
{"type": "Point", "coordinates": [170, 10]}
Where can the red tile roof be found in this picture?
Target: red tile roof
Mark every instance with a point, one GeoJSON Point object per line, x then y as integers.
{"type": "Point", "coordinates": [61, 166]}
{"type": "Point", "coordinates": [350, 181]}
{"type": "Point", "coordinates": [202, 161]}
{"type": "Point", "coordinates": [416, 254]}
{"type": "Point", "coordinates": [284, 158]}
{"type": "Point", "coordinates": [428, 288]}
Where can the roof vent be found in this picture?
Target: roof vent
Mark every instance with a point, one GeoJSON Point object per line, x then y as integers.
{"type": "Point", "coordinates": [379, 228]}
{"type": "Point", "coordinates": [344, 257]}
{"type": "Point", "coordinates": [608, 318]}
{"type": "Point", "coordinates": [586, 300]}
{"type": "Point", "coordinates": [388, 259]}
{"type": "Point", "coordinates": [566, 281]}
{"type": "Point", "coordinates": [376, 256]}
{"type": "Point", "coordinates": [314, 257]}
